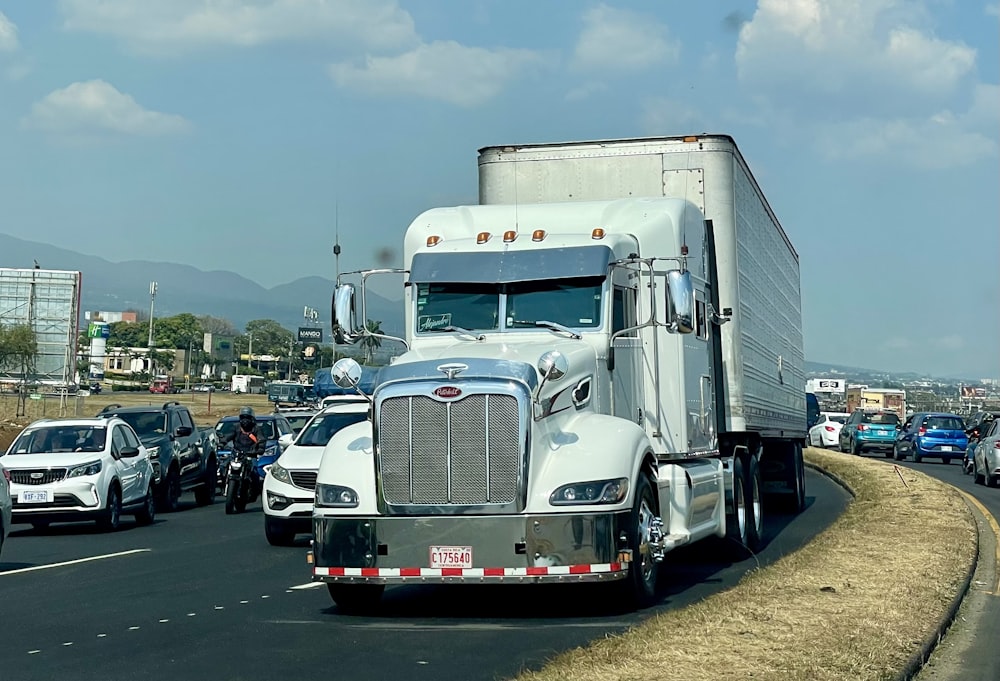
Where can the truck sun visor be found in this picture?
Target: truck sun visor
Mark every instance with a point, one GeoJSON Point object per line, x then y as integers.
{"type": "Point", "coordinates": [510, 266]}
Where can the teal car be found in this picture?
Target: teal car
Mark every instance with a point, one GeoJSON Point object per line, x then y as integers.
{"type": "Point", "coordinates": [867, 431]}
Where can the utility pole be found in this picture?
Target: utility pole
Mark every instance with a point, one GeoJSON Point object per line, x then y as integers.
{"type": "Point", "coordinates": [150, 342]}
{"type": "Point", "coordinates": [291, 346]}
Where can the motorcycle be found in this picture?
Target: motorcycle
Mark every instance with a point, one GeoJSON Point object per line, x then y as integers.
{"type": "Point", "coordinates": [242, 483]}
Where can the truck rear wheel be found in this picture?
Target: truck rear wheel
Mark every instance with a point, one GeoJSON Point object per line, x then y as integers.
{"type": "Point", "coordinates": [736, 518]}
{"type": "Point", "coordinates": [755, 507]}
{"type": "Point", "coordinates": [356, 599]}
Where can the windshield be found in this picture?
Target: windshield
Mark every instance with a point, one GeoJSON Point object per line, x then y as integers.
{"type": "Point", "coordinates": [325, 426]}
{"type": "Point", "coordinates": [298, 421]}
{"type": "Point", "coordinates": [943, 423]}
{"type": "Point", "coordinates": [882, 417]}
{"type": "Point", "coordinates": [145, 423]}
{"type": "Point", "coordinates": [57, 439]}
{"type": "Point", "coordinates": [574, 302]}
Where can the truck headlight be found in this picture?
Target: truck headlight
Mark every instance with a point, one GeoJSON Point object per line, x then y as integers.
{"type": "Point", "coordinates": [278, 473]}
{"type": "Point", "coordinates": [596, 492]}
{"type": "Point", "coordinates": [91, 468]}
{"type": "Point", "coordinates": [336, 496]}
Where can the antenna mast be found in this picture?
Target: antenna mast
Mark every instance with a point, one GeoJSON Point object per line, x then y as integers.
{"type": "Point", "coordinates": [336, 240]}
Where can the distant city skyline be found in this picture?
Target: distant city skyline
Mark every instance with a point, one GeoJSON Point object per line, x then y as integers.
{"type": "Point", "coordinates": [242, 135]}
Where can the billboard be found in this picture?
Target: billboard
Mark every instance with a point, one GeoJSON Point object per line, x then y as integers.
{"type": "Point", "coordinates": [49, 302]}
{"type": "Point", "coordinates": [826, 385]}
{"type": "Point", "coordinates": [310, 334]}
{"type": "Point", "coordinates": [972, 392]}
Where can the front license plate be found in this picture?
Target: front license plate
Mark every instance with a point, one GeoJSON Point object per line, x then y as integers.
{"type": "Point", "coordinates": [35, 497]}
{"type": "Point", "coordinates": [451, 556]}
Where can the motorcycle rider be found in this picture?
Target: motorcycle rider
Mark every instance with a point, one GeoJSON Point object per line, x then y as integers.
{"type": "Point", "coordinates": [244, 438]}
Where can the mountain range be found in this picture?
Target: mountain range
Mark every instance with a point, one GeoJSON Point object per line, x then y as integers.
{"type": "Point", "coordinates": [119, 286]}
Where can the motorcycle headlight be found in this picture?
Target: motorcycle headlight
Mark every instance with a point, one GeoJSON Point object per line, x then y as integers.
{"type": "Point", "coordinates": [91, 468]}
{"type": "Point", "coordinates": [278, 473]}
{"type": "Point", "coordinates": [336, 496]}
{"type": "Point", "coordinates": [235, 464]}
{"type": "Point", "coordinates": [596, 492]}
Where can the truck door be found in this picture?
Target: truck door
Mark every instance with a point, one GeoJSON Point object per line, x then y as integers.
{"type": "Point", "coordinates": [699, 386]}
{"type": "Point", "coordinates": [626, 377]}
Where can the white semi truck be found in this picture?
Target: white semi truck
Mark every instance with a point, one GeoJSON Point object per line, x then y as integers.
{"type": "Point", "coordinates": [604, 363]}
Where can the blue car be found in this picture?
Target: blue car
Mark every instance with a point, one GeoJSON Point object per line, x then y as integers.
{"type": "Point", "coordinates": [935, 434]}
{"type": "Point", "coordinates": [867, 431]}
{"type": "Point", "coordinates": [270, 427]}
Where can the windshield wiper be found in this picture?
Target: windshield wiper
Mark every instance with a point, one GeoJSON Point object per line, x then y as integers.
{"type": "Point", "coordinates": [455, 329]}
{"type": "Point", "coordinates": [554, 327]}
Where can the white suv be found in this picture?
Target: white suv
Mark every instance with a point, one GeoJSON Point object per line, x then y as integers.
{"type": "Point", "coordinates": [5, 506]}
{"type": "Point", "coordinates": [79, 469]}
{"type": "Point", "coordinates": [290, 483]}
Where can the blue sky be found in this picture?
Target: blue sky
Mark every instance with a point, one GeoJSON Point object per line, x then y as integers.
{"type": "Point", "coordinates": [233, 134]}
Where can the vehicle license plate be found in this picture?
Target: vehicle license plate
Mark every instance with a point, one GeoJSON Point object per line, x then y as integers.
{"type": "Point", "coordinates": [946, 448]}
{"type": "Point", "coordinates": [35, 497]}
{"type": "Point", "coordinates": [451, 556]}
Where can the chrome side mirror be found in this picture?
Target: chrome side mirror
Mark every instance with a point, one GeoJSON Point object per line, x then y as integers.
{"type": "Point", "coordinates": [345, 316]}
{"type": "Point", "coordinates": [682, 300]}
{"type": "Point", "coordinates": [346, 373]}
{"type": "Point", "coordinates": [552, 366]}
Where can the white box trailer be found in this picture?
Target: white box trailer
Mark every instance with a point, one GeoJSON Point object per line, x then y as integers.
{"type": "Point", "coordinates": [604, 363]}
{"type": "Point", "coordinates": [758, 268]}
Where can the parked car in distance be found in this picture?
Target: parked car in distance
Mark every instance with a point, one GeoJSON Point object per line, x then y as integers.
{"type": "Point", "coordinates": [79, 469]}
{"type": "Point", "coordinates": [869, 430]}
{"type": "Point", "coordinates": [298, 417]}
{"type": "Point", "coordinates": [290, 485]}
{"type": "Point", "coordinates": [934, 434]}
{"type": "Point", "coordinates": [986, 457]}
{"type": "Point", "coordinates": [826, 432]}
{"type": "Point", "coordinates": [976, 426]}
{"type": "Point", "coordinates": [183, 455]}
{"type": "Point", "coordinates": [203, 388]}
{"type": "Point", "coordinates": [6, 506]}
{"type": "Point", "coordinates": [270, 427]}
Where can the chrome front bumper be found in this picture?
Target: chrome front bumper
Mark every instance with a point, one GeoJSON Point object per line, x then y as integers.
{"type": "Point", "coordinates": [519, 549]}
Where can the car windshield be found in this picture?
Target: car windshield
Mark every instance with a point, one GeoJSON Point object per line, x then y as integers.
{"type": "Point", "coordinates": [225, 430]}
{"type": "Point", "coordinates": [838, 418]}
{"type": "Point", "coordinates": [325, 426]}
{"type": "Point", "coordinates": [57, 439]}
{"type": "Point", "coordinates": [943, 423]}
{"type": "Point", "coordinates": [882, 417]}
{"type": "Point", "coordinates": [145, 422]}
{"type": "Point", "coordinates": [298, 421]}
{"type": "Point", "coordinates": [574, 302]}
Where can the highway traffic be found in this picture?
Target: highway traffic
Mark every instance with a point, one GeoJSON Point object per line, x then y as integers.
{"type": "Point", "coordinates": [200, 594]}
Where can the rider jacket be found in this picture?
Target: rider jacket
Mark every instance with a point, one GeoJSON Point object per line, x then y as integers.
{"type": "Point", "coordinates": [244, 441]}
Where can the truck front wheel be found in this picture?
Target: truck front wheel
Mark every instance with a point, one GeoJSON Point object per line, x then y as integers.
{"type": "Point", "coordinates": [356, 599]}
{"type": "Point", "coordinates": [640, 584]}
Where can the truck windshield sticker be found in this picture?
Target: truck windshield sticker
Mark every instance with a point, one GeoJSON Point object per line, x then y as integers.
{"type": "Point", "coordinates": [429, 322]}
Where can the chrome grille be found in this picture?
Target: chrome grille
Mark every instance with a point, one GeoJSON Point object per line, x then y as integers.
{"type": "Point", "coordinates": [462, 452]}
{"type": "Point", "coordinates": [304, 479]}
{"type": "Point", "coordinates": [37, 476]}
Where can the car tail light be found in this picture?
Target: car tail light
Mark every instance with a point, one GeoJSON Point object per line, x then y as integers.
{"type": "Point", "coordinates": [862, 426]}
{"type": "Point", "coordinates": [996, 445]}
{"type": "Point", "coordinates": [922, 431]}
{"type": "Point", "coordinates": [829, 429]}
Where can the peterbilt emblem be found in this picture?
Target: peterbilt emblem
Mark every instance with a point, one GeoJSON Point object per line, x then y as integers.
{"type": "Point", "coordinates": [447, 391]}
{"type": "Point", "coordinates": [452, 370]}
{"type": "Point", "coordinates": [37, 476]}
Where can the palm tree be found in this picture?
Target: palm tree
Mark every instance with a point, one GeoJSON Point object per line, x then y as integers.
{"type": "Point", "coordinates": [371, 342]}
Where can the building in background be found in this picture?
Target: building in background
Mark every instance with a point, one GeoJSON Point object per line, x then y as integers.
{"type": "Point", "coordinates": [110, 317]}
{"type": "Point", "coordinates": [49, 302]}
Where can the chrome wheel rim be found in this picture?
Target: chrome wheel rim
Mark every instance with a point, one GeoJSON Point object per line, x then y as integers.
{"type": "Point", "coordinates": [646, 565]}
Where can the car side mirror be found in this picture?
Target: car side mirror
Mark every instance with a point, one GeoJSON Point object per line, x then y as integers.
{"type": "Point", "coordinates": [286, 440]}
{"type": "Point", "coordinates": [183, 431]}
{"type": "Point", "coordinates": [128, 452]}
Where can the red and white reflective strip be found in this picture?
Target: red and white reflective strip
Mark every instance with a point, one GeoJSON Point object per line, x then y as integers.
{"type": "Point", "coordinates": [589, 569]}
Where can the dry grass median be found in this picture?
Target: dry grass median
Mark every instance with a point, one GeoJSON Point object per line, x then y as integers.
{"type": "Point", "coordinates": [856, 603]}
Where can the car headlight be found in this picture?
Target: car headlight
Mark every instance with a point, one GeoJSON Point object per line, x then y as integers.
{"type": "Point", "coordinates": [92, 468]}
{"type": "Point", "coordinates": [278, 473]}
{"type": "Point", "coordinates": [596, 492]}
{"type": "Point", "coordinates": [336, 496]}
{"type": "Point", "coordinates": [154, 452]}
{"type": "Point", "coordinates": [271, 450]}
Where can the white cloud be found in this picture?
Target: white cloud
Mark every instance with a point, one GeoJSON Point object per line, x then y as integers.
{"type": "Point", "coordinates": [8, 34]}
{"type": "Point", "coordinates": [442, 70]}
{"type": "Point", "coordinates": [615, 39]}
{"type": "Point", "coordinates": [95, 107]}
{"type": "Point", "coordinates": [172, 26]}
{"type": "Point", "coordinates": [992, 10]}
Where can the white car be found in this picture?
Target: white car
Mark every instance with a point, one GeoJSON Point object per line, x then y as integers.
{"type": "Point", "coordinates": [826, 432]}
{"type": "Point", "coordinates": [290, 483]}
{"type": "Point", "coordinates": [79, 469]}
{"type": "Point", "coordinates": [6, 506]}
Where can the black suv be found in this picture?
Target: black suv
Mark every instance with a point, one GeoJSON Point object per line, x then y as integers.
{"type": "Point", "coordinates": [183, 456]}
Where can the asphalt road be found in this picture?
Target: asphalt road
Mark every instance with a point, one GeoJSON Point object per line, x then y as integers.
{"type": "Point", "coordinates": [201, 595]}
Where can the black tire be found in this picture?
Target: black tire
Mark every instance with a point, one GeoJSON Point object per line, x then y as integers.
{"type": "Point", "coordinates": [796, 502]}
{"type": "Point", "coordinates": [915, 456]}
{"type": "Point", "coordinates": [990, 480]}
{"type": "Point", "coordinates": [170, 492]}
{"type": "Point", "coordinates": [737, 518]}
{"type": "Point", "coordinates": [205, 494]}
{"type": "Point", "coordinates": [111, 516]}
{"type": "Point", "coordinates": [277, 532]}
{"type": "Point", "coordinates": [356, 599]}
{"type": "Point", "coordinates": [230, 499]}
{"type": "Point", "coordinates": [945, 460]}
{"type": "Point", "coordinates": [147, 514]}
{"type": "Point", "coordinates": [755, 506]}
{"type": "Point", "coordinates": [977, 478]}
{"type": "Point", "coordinates": [890, 453]}
{"type": "Point", "coordinates": [639, 586]}
{"type": "Point", "coordinates": [855, 448]}
{"type": "Point", "coordinates": [895, 453]}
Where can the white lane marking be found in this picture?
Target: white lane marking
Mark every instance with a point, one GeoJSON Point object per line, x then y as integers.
{"type": "Point", "coordinates": [265, 596]}
{"type": "Point", "coordinates": [74, 562]}
{"type": "Point", "coordinates": [244, 602]}
{"type": "Point", "coordinates": [133, 628]}
{"type": "Point", "coordinates": [163, 621]}
{"type": "Point", "coordinates": [307, 585]}
{"type": "Point", "coordinates": [68, 643]}
{"type": "Point", "coordinates": [192, 614]}
{"type": "Point", "coordinates": [220, 607]}
{"type": "Point", "coordinates": [34, 652]}
{"type": "Point", "coordinates": [102, 636]}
